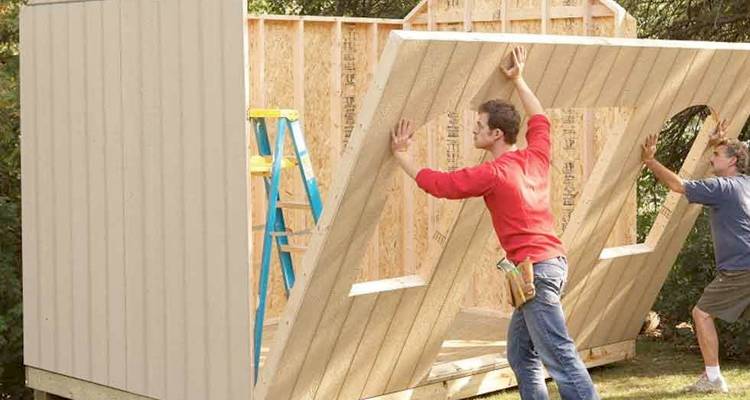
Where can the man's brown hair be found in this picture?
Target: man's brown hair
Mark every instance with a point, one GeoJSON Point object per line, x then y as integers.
{"type": "Point", "coordinates": [502, 115]}
{"type": "Point", "coordinates": [739, 150]}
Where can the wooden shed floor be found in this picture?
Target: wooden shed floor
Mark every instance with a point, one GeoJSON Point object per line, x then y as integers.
{"type": "Point", "coordinates": [475, 343]}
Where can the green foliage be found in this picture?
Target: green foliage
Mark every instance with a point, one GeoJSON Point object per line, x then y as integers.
{"type": "Point", "coordinates": [715, 20]}
{"type": "Point", "coordinates": [725, 20]}
{"type": "Point", "coordinates": [11, 319]}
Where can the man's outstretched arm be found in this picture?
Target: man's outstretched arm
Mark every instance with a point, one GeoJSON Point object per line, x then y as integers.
{"type": "Point", "coordinates": [460, 184]}
{"type": "Point", "coordinates": [531, 104]}
{"type": "Point", "coordinates": [401, 138]}
{"type": "Point", "coordinates": [662, 173]}
{"type": "Point", "coordinates": [669, 178]}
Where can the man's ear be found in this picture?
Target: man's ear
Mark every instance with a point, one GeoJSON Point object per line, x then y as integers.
{"type": "Point", "coordinates": [498, 134]}
{"type": "Point", "coordinates": [735, 161]}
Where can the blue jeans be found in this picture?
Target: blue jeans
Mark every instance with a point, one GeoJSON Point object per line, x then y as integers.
{"type": "Point", "coordinates": [537, 335]}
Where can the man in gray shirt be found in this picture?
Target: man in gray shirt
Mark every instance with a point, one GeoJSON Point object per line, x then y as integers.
{"type": "Point", "coordinates": [728, 197]}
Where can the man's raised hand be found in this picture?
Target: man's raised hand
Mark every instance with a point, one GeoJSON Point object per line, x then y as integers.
{"type": "Point", "coordinates": [649, 148]}
{"type": "Point", "coordinates": [401, 136]}
{"type": "Point", "coordinates": [513, 66]}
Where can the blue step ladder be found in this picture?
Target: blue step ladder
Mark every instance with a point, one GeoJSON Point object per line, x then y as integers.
{"type": "Point", "coordinates": [269, 165]}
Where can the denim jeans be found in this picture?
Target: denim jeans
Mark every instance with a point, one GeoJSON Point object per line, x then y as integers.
{"type": "Point", "coordinates": [537, 335]}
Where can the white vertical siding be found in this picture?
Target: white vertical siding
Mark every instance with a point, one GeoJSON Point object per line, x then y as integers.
{"type": "Point", "coordinates": [61, 188]}
{"type": "Point", "coordinates": [174, 205]}
{"type": "Point", "coordinates": [79, 196]}
{"type": "Point", "coordinates": [97, 184]}
{"type": "Point", "coordinates": [135, 195]}
{"type": "Point", "coordinates": [154, 273]}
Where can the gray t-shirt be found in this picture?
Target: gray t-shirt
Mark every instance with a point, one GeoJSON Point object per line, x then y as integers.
{"type": "Point", "coordinates": [729, 201]}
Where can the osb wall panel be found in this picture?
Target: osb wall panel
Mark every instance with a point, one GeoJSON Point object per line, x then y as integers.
{"type": "Point", "coordinates": [322, 67]}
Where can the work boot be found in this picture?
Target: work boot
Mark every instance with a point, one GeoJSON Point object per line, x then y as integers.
{"type": "Point", "coordinates": [704, 385]}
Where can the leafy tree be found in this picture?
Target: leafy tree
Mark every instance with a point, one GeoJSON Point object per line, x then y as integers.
{"type": "Point", "coordinates": [714, 20]}
{"type": "Point", "coordinates": [11, 321]}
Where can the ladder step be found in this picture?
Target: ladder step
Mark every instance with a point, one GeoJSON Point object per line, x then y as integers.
{"type": "Point", "coordinates": [298, 205]}
{"type": "Point", "coordinates": [291, 233]}
{"type": "Point", "coordinates": [293, 249]}
{"type": "Point", "coordinates": [260, 228]}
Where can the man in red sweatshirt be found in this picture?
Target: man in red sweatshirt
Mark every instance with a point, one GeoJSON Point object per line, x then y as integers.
{"type": "Point", "coordinates": [515, 187]}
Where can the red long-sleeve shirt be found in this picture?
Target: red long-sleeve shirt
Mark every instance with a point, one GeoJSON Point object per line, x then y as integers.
{"type": "Point", "coordinates": [515, 187]}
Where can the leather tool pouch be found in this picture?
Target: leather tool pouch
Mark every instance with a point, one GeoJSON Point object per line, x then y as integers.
{"type": "Point", "coordinates": [520, 281]}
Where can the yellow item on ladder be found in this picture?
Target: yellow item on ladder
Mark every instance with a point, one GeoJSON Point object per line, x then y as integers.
{"type": "Point", "coordinates": [291, 115]}
{"type": "Point", "coordinates": [261, 165]}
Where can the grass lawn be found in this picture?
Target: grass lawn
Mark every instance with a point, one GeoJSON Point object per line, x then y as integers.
{"type": "Point", "coordinates": [659, 371]}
